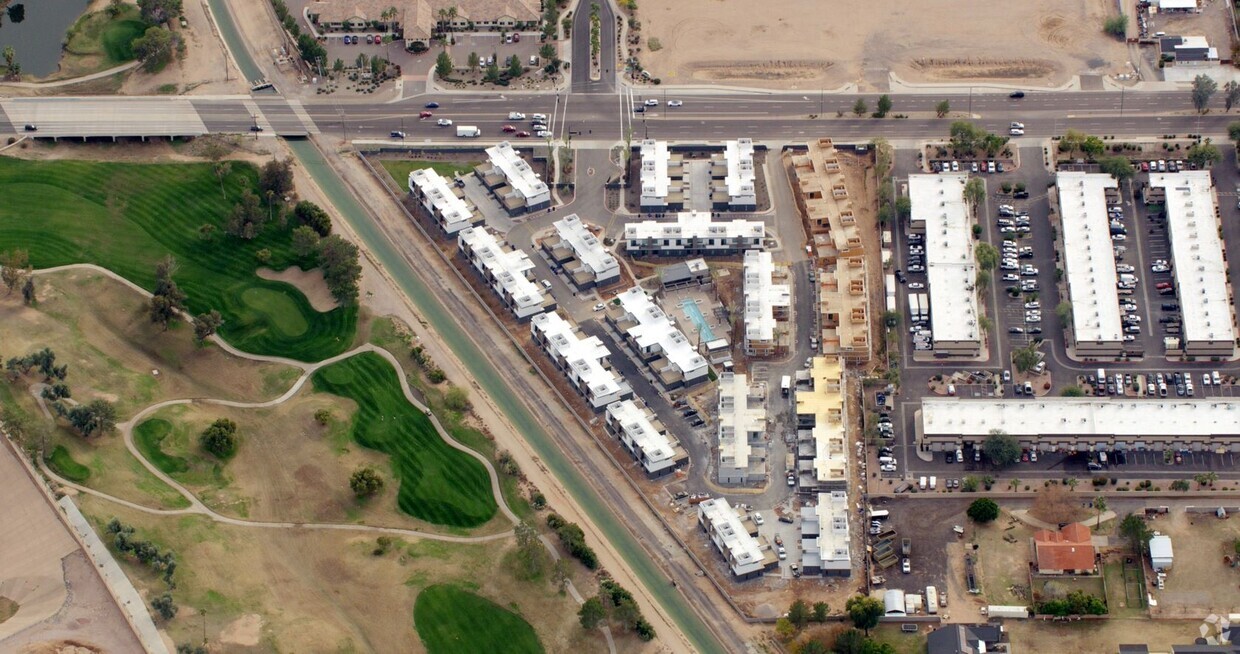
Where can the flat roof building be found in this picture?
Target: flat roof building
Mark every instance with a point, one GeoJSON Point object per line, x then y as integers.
{"type": "Point", "coordinates": [742, 430]}
{"type": "Point", "coordinates": [693, 232]}
{"type": "Point", "coordinates": [656, 339]}
{"type": "Point", "coordinates": [584, 360]}
{"type": "Point", "coordinates": [506, 271]}
{"type": "Point", "coordinates": [443, 201]}
{"type": "Point", "coordinates": [1083, 424]}
{"type": "Point", "coordinates": [738, 542]}
{"type": "Point", "coordinates": [684, 273]}
{"type": "Point", "coordinates": [513, 181]}
{"type": "Point", "coordinates": [1209, 321]}
{"type": "Point", "coordinates": [822, 428]}
{"type": "Point", "coordinates": [662, 176]}
{"type": "Point", "coordinates": [645, 437]}
{"type": "Point", "coordinates": [767, 304]}
{"type": "Point", "coordinates": [1161, 555]}
{"type": "Point", "coordinates": [938, 205]}
{"type": "Point", "coordinates": [1089, 263]}
{"type": "Point", "coordinates": [825, 540]}
{"type": "Point", "coordinates": [737, 190]}
{"type": "Point", "coordinates": [580, 254]}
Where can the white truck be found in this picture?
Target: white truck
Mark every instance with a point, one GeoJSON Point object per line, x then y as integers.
{"type": "Point", "coordinates": [468, 131]}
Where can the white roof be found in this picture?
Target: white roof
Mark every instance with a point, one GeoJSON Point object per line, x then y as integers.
{"type": "Point", "coordinates": [654, 178]}
{"type": "Point", "coordinates": [694, 224]}
{"type": "Point", "coordinates": [584, 357]}
{"type": "Point", "coordinates": [738, 419]}
{"type": "Point", "coordinates": [1089, 256]}
{"type": "Point", "coordinates": [950, 267]}
{"type": "Point", "coordinates": [454, 211]}
{"type": "Point", "coordinates": [1160, 547]}
{"type": "Point", "coordinates": [761, 296]}
{"type": "Point", "coordinates": [742, 548]}
{"type": "Point", "coordinates": [1177, 4]}
{"type": "Point", "coordinates": [1067, 416]}
{"type": "Point", "coordinates": [833, 538]}
{"type": "Point", "coordinates": [586, 246]}
{"type": "Point", "coordinates": [634, 421]}
{"type": "Point", "coordinates": [508, 267]}
{"type": "Point", "coordinates": [521, 177]}
{"type": "Point", "coordinates": [656, 329]}
{"type": "Point", "coordinates": [1197, 256]}
{"type": "Point", "coordinates": [741, 175]}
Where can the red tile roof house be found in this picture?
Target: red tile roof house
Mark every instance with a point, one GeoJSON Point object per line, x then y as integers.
{"type": "Point", "coordinates": [1067, 551]}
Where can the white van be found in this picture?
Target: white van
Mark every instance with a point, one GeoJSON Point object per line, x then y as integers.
{"type": "Point", "coordinates": [887, 460]}
{"type": "Point", "coordinates": [921, 483]}
{"type": "Point", "coordinates": [933, 482]}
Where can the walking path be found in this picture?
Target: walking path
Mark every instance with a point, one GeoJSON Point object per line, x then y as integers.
{"type": "Point", "coordinates": [73, 80]}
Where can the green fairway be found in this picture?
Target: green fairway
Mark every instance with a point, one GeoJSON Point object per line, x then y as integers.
{"type": "Point", "coordinates": [451, 621]}
{"type": "Point", "coordinates": [62, 463]}
{"type": "Point", "coordinates": [438, 484]}
{"type": "Point", "coordinates": [148, 436]}
{"type": "Point", "coordinates": [399, 169]}
{"type": "Point", "coordinates": [126, 217]}
{"type": "Point", "coordinates": [100, 35]}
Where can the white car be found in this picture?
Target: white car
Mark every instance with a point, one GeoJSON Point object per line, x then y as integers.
{"type": "Point", "coordinates": [757, 519]}
{"type": "Point", "coordinates": [1016, 125]}
{"type": "Point", "coordinates": [545, 284]}
{"type": "Point", "coordinates": [651, 102]}
{"type": "Point", "coordinates": [905, 566]}
{"type": "Point", "coordinates": [516, 115]}
{"type": "Point", "coordinates": [916, 285]}
{"type": "Point", "coordinates": [599, 307]}
{"type": "Point", "coordinates": [1016, 131]}
{"type": "Point", "coordinates": [444, 122]}
{"type": "Point", "coordinates": [543, 134]}
{"type": "Point", "coordinates": [1011, 277]}
{"type": "Point", "coordinates": [675, 103]}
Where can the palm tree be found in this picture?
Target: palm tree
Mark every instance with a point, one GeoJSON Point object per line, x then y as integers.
{"type": "Point", "coordinates": [1072, 482]}
{"type": "Point", "coordinates": [1014, 483]}
{"type": "Point", "coordinates": [388, 16]}
{"type": "Point", "coordinates": [1100, 504]}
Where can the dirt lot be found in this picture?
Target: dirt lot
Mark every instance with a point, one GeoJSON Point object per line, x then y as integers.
{"type": "Point", "coordinates": [1002, 565]}
{"type": "Point", "coordinates": [929, 524]}
{"type": "Point", "coordinates": [1199, 583]}
{"type": "Point", "coordinates": [805, 47]}
{"type": "Point", "coordinates": [1036, 637]}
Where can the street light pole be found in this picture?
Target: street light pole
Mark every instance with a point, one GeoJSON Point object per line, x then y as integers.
{"type": "Point", "coordinates": [970, 102]}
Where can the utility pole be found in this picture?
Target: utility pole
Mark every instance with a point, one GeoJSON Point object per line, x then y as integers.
{"type": "Point", "coordinates": [822, 107]}
{"type": "Point", "coordinates": [970, 102]}
{"type": "Point", "coordinates": [1121, 102]}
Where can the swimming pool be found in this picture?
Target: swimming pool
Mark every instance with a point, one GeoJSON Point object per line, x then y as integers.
{"type": "Point", "coordinates": [699, 320]}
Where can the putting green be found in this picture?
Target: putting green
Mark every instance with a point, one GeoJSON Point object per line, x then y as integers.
{"type": "Point", "coordinates": [279, 308]}
{"type": "Point", "coordinates": [453, 621]}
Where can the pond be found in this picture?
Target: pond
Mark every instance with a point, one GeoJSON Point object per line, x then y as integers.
{"type": "Point", "coordinates": [38, 35]}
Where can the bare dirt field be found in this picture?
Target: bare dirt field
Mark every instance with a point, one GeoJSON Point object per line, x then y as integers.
{"type": "Point", "coordinates": [803, 45]}
{"type": "Point", "coordinates": [325, 591]}
{"type": "Point", "coordinates": [1003, 565]}
{"type": "Point", "coordinates": [1037, 637]}
{"type": "Point", "coordinates": [1199, 583]}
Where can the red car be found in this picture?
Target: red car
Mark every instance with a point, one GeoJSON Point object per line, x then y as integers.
{"type": "Point", "coordinates": [522, 134]}
{"type": "Point", "coordinates": [1145, 166]}
{"type": "Point", "coordinates": [425, 114]}
{"type": "Point", "coordinates": [509, 128]}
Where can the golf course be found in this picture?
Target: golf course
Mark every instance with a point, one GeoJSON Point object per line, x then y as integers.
{"type": "Point", "coordinates": [454, 621]}
{"type": "Point", "coordinates": [127, 217]}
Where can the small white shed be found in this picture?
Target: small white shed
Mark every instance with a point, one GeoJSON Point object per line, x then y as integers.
{"type": "Point", "coordinates": [1160, 552]}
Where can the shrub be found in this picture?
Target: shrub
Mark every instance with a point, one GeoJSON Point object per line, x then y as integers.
{"type": "Point", "coordinates": [220, 438]}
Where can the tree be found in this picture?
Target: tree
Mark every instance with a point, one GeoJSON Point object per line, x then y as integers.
{"type": "Point", "coordinates": [547, 51]}
{"type": "Point", "coordinates": [591, 613]}
{"type": "Point", "coordinates": [220, 438]}
{"type": "Point", "coordinates": [987, 256]}
{"type": "Point", "coordinates": [975, 191]}
{"type": "Point", "coordinates": [338, 65]}
{"type": "Point", "coordinates": [313, 216]}
{"type": "Point", "coordinates": [1026, 358]}
{"type": "Point", "coordinates": [492, 72]}
{"type": "Point", "coordinates": [1204, 88]}
{"type": "Point", "coordinates": [1001, 448]}
{"type": "Point", "coordinates": [943, 108]}
{"type": "Point", "coordinates": [310, 49]}
{"type": "Point", "coordinates": [28, 291]}
{"type": "Point", "coordinates": [1233, 131]}
{"type": "Point", "coordinates": [851, 641]}
{"type": "Point", "coordinates": [276, 177]}
{"type": "Point", "coordinates": [247, 216]}
{"type": "Point", "coordinates": [12, 68]}
{"type": "Point", "coordinates": [1063, 311]}
{"type": "Point", "coordinates": [339, 260]}
{"type": "Point", "coordinates": [388, 16]}
{"type": "Point", "coordinates": [859, 107]}
{"type": "Point", "coordinates": [532, 558]}
{"type": "Point", "coordinates": [983, 510]}
{"type": "Point", "coordinates": [365, 482]}
{"type": "Point", "coordinates": [1133, 528]}
{"type": "Point", "coordinates": [904, 206]}
{"type": "Point", "coordinates": [1203, 155]}
{"type": "Point", "coordinates": [884, 105]}
{"type": "Point", "coordinates": [1116, 26]}
{"type": "Point", "coordinates": [1231, 94]}
{"type": "Point", "coordinates": [93, 418]}
{"type": "Point", "coordinates": [206, 324]}
{"type": "Point", "coordinates": [1100, 506]}
{"type": "Point", "coordinates": [514, 66]}
{"type": "Point", "coordinates": [821, 610]}
{"type": "Point", "coordinates": [1072, 390]}
{"type": "Point", "coordinates": [1118, 167]}
{"type": "Point", "coordinates": [864, 611]}
{"type": "Point", "coordinates": [323, 416]}
{"type": "Point", "coordinates": [798, 613]}
{"type": "Point", "coordinates": [14, 268]}
{"type": "Point", "coordinates": [305, 241]}
{"type": "Point", "coordinates": [474, 61]}
{"type": "Point", "coordinates": [158, 12]}
{"type": "Point", "coordinates": [443, 65]}
{"type": "Point", "coordinates": [154, 49]}
{"type": "Point", "coordinates": [165, 606]}
{"type": "Point", "coordinates": [168, 300]}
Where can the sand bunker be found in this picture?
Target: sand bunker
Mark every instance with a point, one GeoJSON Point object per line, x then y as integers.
{"type": "Point", "coordinates": [309, 282]}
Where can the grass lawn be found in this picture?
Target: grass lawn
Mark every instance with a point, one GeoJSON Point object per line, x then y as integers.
{"type": "Point", "coordinates": [902, 643]}
{"type": "Point", "coordinates": [451, 620]}
{"type": "Point", "coordinates": [399, 169]}
{"type": "Point", "coordinates": [126, 217]}
{"type": "Point", "coordinates": [438, 484]}
{"type": "Point", "coordinates": [62, 463]}
{"type": "Point", "coordinates": [148, 436]}
{"type": "Point", "coordinates": [98, 41]}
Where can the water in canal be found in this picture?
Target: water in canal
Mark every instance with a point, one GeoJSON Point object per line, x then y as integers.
{"type": "Point", "coordinates": [38, 36]}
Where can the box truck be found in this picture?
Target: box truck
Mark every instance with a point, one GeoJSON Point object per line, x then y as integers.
{"type": "Point", "coordinates": [468, 131]}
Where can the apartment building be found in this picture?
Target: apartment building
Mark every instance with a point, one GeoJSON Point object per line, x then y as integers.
{"type": "Point", "coordinates": [656, 339]}
{"type": "Point", "coordinates": [767, 306]}
{"type": "Point", "coordinates": [574, 249]}
{"type": "Point", "coordinates": [513, 182]}
{"type": "Point", "coordinates": [826, 547]}
{"type": "Point", "coordinates": [692, 233]}
{"type": "Point", "coordinates": [742, 430]}
{"type": "Point", "coordinates": [445, 203]}
{"type": "Point", "coordinates": [645, 437]}
{"type": "Point", "coordinates": [822, 428]}
{"type": "Point", "coordinates": [584, 360]}
{"type": "Point", "coordinates": [736, 539]}
{"type": "Point", "coordinates": [662, 178]}
{"type": "Point", "coordinates": [734, 177]}
{"type": "Point", "coordinates": [506, 270]}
